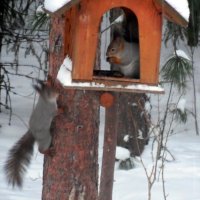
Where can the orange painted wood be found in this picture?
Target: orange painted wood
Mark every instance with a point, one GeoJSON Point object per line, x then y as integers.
{"type": "Point", "coordinates": [150, 31]}
{"type": "Point", "coordinates": [85, 43]}
{"type": "Point", "coordinates": [69, 29]}
{"type": "Point", "coordinates": [86, 37]}
{"type": "Point", "coordinates": [106, 100]}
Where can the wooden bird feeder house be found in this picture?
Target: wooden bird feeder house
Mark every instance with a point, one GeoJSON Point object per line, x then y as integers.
{"type": "Point", "coordinates": [83, 18]}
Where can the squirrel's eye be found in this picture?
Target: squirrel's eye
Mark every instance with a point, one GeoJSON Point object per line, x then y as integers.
{"type": "Point", "coordinates": [112, 49]}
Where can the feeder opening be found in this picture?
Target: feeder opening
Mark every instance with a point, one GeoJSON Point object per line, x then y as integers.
{"type": "Point", "coordinates": [118, 56]}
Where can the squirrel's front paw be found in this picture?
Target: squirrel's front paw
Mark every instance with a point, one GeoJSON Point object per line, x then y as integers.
{"type": "Point", "coordinates": [49, 152]}
{"type": "Point", "coordinates": [60, 111]}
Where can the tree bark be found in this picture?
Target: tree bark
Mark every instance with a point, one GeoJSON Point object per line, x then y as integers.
{"type": "Point", "coordinates": [72, 173]}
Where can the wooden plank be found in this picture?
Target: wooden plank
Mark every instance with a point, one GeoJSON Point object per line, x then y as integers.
{"type": "Point", "coordinates": [86, 38]}
{"type": "Point", "coordinates": [150, 32]}
{"type": "Point", "coordinates": [70, 28]}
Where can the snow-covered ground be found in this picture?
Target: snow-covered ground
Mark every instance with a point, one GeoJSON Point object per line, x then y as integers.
{"type": "Point", "coordinates": [182, 176]}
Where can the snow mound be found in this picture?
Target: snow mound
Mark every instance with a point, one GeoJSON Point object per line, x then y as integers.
{"type": "Point", "coordinates": [182, 54]}
{"type": "Point", "coordinates": [122, 153]}
{"type": "Point", "coordinates": [181, 105]}
{"type": "Point", "coordinates": [126, 138]}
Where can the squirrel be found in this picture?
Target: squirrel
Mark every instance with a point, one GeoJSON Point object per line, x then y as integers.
{"type": "Point", "coordinates": [39, 131]}
{"type": "Point", "coordinates": [123, 51]}
{"type": "Point", "coordinates": [124, 57]}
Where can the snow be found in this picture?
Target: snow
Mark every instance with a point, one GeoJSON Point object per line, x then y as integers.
{"type": "Point", "coordinates": [40, 9]}
{"type": "Point", "coordinates": [182, 176]}
{"type": "Point", "coordinates": [181, 105]}
{"type": "Point", "coordinates": [54, 5]}
{"type": "Point", "coordinates": [140, 135]}
{"type": "Point", "coordinates": [65, 78]}
{"type": "Point", "coordinates": [126, 138]}
{"type": "Point", "coordinates": [64, 73]}
{"type": "Point", "coordinates": [119, 19]}
{"type": "Point", "coordinates": [182, 54]}
{"type": "Point", "coordinates": [122, 153]}
{"type": "Point", "coordinates": [180, 6]}
{"type": "Point", "coordinates": [147, 106]}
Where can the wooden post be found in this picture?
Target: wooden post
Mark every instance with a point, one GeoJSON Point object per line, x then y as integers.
{"type": "Point", "coordinates": [109, 149]}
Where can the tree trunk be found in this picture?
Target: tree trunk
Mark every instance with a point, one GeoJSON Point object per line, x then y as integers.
{"type": "Point", "coordinates": [73, 172]}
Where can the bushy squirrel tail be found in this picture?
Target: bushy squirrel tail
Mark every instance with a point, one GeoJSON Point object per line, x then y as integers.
{"type": "Point", "coordinates": [19, 159]}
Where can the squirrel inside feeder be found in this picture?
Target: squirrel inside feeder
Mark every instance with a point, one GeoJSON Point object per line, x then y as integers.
{"type": "Point", "coordinates": [123, 51]}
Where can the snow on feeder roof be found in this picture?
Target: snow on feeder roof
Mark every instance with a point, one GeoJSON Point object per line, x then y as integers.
{"type": "Point", "coordinates": [181, 6]}
{"type": "Point", "coordinates": [175, 10]}
{"type": "Point", "coordinates": [55, 5]}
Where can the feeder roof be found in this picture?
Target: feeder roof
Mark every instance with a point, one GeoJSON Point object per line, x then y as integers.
{"type": "Point", "coordinates": [176, 11]}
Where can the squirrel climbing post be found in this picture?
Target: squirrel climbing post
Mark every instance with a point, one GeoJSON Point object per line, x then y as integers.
{"type": "Point", "coordinates": [20, 154]}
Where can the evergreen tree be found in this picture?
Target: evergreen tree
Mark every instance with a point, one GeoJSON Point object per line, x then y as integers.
{"type": "Point", "coordinates": [178, 70]}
